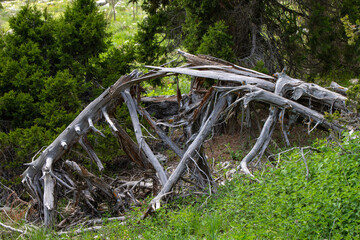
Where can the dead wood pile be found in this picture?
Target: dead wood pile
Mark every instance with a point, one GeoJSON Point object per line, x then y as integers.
{"type": "Point", "coordinates": [234, 89]}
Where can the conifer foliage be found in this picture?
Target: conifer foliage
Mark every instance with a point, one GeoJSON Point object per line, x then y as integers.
{"type": "Point", "coordinates": [47, 76]}
{"type": "Point", "coordinates": [306, 36]}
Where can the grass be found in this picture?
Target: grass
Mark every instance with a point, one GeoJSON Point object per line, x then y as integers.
{"type": "Point", "coordinates": [55, 7]}
{"type": "Point", "coordinates": [125, 26]}
{"type": "Point", "coordinates": [168, 86]}
{"type": "Point", "coordinates": [284, 205]}
{"type": "Point", "coordinates": [123, 29]}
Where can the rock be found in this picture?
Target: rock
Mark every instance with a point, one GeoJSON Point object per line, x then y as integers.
{"type": "Point", "coordinates": [100, 2]}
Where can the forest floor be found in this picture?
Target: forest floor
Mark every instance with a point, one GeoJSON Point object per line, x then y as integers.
{"type": "Point", "coordinates": [224, 152]}
{"type": "Point", "coordinates": [284, 205]}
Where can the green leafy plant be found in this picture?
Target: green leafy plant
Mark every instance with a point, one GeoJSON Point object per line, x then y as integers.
{"type": "Point", "coordinates": [332, 117]}
{"type": "Point", "coordinates": [352, 30]}
{"type": "Point", "coordinates": [236, 155]}
{"type": "Point", "coordinates": [260, 67]}
{"type": "Point", "coordinates": [217, 42]}
{"type": "Point", "coordinates": [168, 87]}
{"type": "Point", "coordinates": [285, 205]}
{"type": "Point", "coordinates": [353, 94]}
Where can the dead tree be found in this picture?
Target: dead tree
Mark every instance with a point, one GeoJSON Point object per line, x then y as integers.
{"type": "Point", "coordinates": [199, 112]}
{"type": "Point", "coordinates": [285, 94]}
{"type": "Point", "coordinates": [100, 108]}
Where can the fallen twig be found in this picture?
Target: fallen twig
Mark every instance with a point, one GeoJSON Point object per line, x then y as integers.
{"type": "Point", "coordinates": [11, 228]}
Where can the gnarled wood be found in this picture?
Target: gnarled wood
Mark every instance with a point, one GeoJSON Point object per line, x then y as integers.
{"type": "Point", "coordinates": [198, 141]}
{"type": "Point", "coordinates": [140, 139]}
{"type": "Point", "coordinates": [80, 127]}
{"type": "Point", "coordinates": [197, 115]}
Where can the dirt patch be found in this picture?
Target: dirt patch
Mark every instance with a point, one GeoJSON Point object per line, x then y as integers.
{"type": "Point", "coordinates": [225, 151]}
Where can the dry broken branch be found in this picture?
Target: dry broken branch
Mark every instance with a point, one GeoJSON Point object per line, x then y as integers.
{"type": "Point", "coordinates": [199, 113]}
{"type": "Point", "coordinates": [11, 228]}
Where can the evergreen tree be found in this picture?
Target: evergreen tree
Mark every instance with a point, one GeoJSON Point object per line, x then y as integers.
{"type": "Point", "coordinates": [325, 50]}
{"type": "Point", "coordinates": [48, 68]}
{"type": "Point", "coordinates": [25, 64]}
{"type": "Point", "coordinates": [81, 33]}
{"type": "Point", "coordinates": [307, 36]}
{"type": "Point", "coordinates": [217, 42]}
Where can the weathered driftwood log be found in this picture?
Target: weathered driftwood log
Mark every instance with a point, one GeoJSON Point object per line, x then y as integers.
{"type": "Point", "coordinates": [265, 136]}
{"type": "Point", "coordinates": [203, 60]}
{"type": "Point", "coordinates": [131, 149]}
{"type": "Point", "coordinates": [337, 88]}
{"type": "Point", "coordinates": [221, 75]}
{"type": "Point", "coordinates": [161, 133]}
{"type": "Point", "coordinates": [257, 94]}
{"type": "Point", "coordinates": [80, 127]}
{"type": "Point", "coordinates": [84, 142]}
{"type": "Point", "coordinates": [140, 139]}
{"type": "Point", "coordinates": [199, 113]}
{"type": "Point", "coordinates": [286, 86]}
{"type": "Point", "coordinates": [296, 89]}
{"type": "Point", "coordinates": [161, 107]}
{"type": "Point", "coordinates": [264, 91]}
{"type": "Point", "coordinates": [262, 141]}
{"type": "Point", "coordinates": [190, 152]}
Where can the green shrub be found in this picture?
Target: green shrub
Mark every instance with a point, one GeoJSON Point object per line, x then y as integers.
{"type": "Point", "coordinates": [217, 42]}
{"type": "Point", "coordinates": [49, 70]}
{"type": "Point", "coordinates": [353, 97]}
{"type": "Point", "coordinates": [260, 67]}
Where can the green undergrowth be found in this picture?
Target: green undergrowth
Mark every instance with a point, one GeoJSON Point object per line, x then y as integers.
{"type": "Point", "coordinates": [168, 86]}
{"type": "Point", "coordinates": [284, 205]}
{"type": "Point", "coordinates": [126, 24]}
